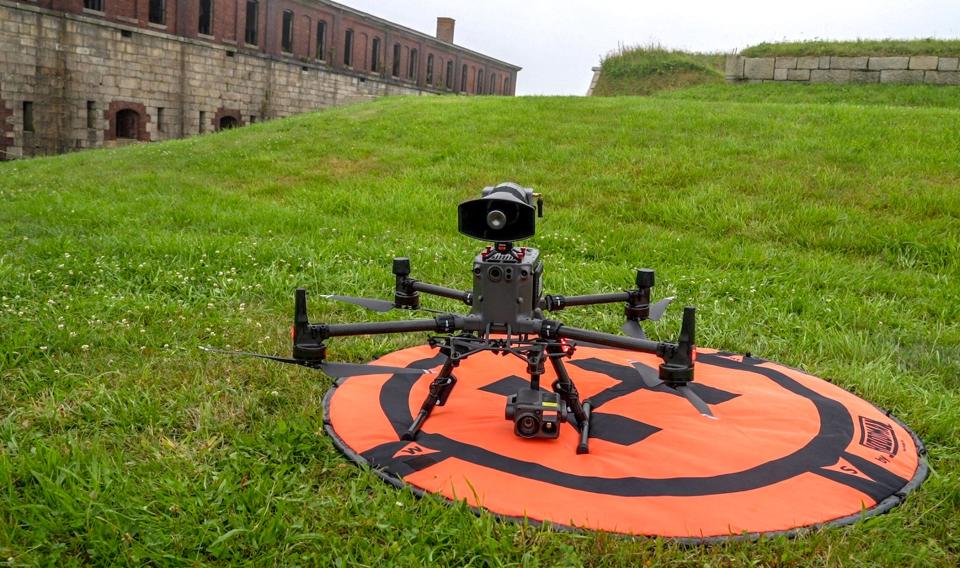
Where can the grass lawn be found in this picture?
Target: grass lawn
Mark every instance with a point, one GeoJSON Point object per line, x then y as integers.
{"type": "Point", "coordinates": [806, 93]}
{"type": "Point", "coordinates": [824, 236]}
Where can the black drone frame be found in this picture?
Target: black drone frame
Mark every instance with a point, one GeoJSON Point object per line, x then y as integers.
{"type": "Point", "coordinates": [507, 307]}
{"type": "Point", "coordinates": [534, 341]}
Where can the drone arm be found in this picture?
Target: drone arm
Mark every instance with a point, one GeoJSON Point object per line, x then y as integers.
{"type": "Point", "coordinates": [440, 324]}
{"type": "Point", "coordinates": [407, 293]}
{"type": "Point", "coordinates": [443, 292]}
{"type": "Point", "coordinates": [557, 302]}
{"type": "Point", "coordinates": [610, 340]}
{"type": "Point", "coordinates": [678, 358]}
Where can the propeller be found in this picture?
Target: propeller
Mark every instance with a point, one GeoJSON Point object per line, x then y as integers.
{"type": "Point", "coordinates": [374, 304]}
{"type": "Point", "coordinates": [336, 370]}
{"type": "Point", "coordinates": [651, 378]}
{"type": "Point", "coordinates": [632, 326]}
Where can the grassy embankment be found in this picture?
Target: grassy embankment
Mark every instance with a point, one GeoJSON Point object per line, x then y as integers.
{"type": "Point", "coordinates": [646, 70]}
{"type": "Point", "coordinates": [680, 74]}
{"type": "Point", "coordinates": [821, 236]}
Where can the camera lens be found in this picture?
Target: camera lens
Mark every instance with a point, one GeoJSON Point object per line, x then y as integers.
{"type": "Point", "coordinates": [495, 273]}
{"type": "Point", "coordinates": [527, 426]}
{"type": "Point", "coordinates": [496, 220]}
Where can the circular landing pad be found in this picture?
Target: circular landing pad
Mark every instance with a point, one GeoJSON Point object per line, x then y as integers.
{"type": "Point", "coordinates": [784, 450]}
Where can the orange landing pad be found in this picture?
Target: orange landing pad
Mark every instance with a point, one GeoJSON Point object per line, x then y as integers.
{"type": "Point", "coordinates": [784, 450]}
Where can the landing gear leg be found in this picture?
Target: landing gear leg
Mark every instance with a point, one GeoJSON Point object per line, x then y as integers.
{"type": "Point", "coordinates": [564, 387]}
{"type": "Point", "coordinates": [440, 390]}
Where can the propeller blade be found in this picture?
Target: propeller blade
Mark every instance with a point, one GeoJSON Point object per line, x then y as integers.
{"type": "Point", "coordinates": [695, 400]}
{"type": "Point", "coordinates": [428, 310]}
{"type": "Point", "coordinates": [377, 305]}
{"type": "Point", "coordinates": [369, 303]}
{"type": "Point", "coordinates": [287, 360]}
{"type": "Point", "coordinates": [657, 310]}
{"type": "Point", "coordinates": [340, 370]}
{"type": "Point", "coordinates": [336, 370]}
{"type": "Point", "coordinates": [650, 376]}
{"type": "Point", "coordinates": [633, 329]}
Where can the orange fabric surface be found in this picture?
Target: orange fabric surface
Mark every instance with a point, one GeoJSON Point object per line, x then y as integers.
{"type": "Point", "coordinates": [763, 464]}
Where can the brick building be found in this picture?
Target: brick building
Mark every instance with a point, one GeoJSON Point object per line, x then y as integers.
{"type": "Point", "coordinates": [89, 73]}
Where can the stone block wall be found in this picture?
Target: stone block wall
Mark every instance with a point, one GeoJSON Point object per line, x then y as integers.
{"type": "Point", "coordinates": [78, 72]}
{"type": "Point", "coordinates": [929, 69]}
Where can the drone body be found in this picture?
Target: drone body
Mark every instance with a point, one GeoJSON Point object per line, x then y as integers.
{"type": "Point", "coordinates": [507, 303]}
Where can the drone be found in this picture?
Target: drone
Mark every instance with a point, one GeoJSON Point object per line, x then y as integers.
{"type": "Point", "coordinates": [507, 306]}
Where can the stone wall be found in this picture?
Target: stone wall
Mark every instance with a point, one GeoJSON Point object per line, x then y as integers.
{"type": "Point", "coordinates": [78, 72]}
{"type": "Point", "coordinates": [594, 80]}
{"type": "Point", "coordinates": [929, 69]}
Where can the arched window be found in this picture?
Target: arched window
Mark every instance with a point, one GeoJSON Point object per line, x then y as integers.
{"type": "Point", "coordinates": [348, 48]}
{"type": "Point", "coordinates": [506, 85]}
{"type": "Point", "coordinates": [286, 35]}
{"type": "Point", "coordinates": [128, 124]}
{"type": "Point", "coordinates": [478, 87]}
{"type": "Point", "coordinates": [251, 25]}
{"type": "Point", "coordinates": [205, 17]}
{"type": "Point", "coordinates": [413, 65]}
{"type": "Point", "coordinates": [430, 69]}
{"type": "Point", "coordinates": [463, 79]}
{"type": "Point", "coordinates": [492, 87]}
{"type": "Point", "coordinates": [228, 122]}
{"type": "Point", "coordinates": [321, 40]}
{"type": "Point", "coordinates": [449, 84]}
{"type": "Point", "coordinates": [157, 12]}
{"type": "Point", "coordinates": [396, 60]}
{"type": "Point", "coordinates": [375, 58]}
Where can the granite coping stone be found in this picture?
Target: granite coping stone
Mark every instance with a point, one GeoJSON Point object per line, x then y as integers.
{"type": "Point", "coordinates": [884, 63]}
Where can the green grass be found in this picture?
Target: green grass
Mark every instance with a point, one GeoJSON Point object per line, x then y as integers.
{"type": "Point", "coordinates": [821, 236]}
{"type": "Point", "coordinates": [646, 70]}
{"type": "Point", "coordinates": [805, 93]}
{"type": "Point", "coordinates": [879, 47]}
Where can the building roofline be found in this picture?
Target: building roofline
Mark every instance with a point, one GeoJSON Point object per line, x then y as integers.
{"type": "Point", "coordinates": [423, 35]}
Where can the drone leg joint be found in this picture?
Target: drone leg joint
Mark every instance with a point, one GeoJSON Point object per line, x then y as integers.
{"type": "Point", "coordinates": [440, 390]}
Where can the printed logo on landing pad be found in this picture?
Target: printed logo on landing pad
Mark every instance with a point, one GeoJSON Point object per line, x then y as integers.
{"type": "Point", "coordinates": [878, 436]}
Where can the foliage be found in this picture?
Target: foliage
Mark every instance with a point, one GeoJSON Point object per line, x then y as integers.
{"type": "Point", "coordinates": [878, 47]}
{"type": "Point", "coordinates": [821, 236]}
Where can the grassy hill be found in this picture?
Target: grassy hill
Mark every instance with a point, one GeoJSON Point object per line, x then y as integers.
{"type": "Point", "coordinates": [646, 70]}
{"type": "Point", "coordinates": [824, 236]}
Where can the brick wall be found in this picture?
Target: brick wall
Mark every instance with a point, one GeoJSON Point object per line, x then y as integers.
{"type": "Point", "coordinates": [80, 70]}
{"type": "Point", "coordinates": [229, 24]}
{"type": "Point", "coordinates": [928, 69]}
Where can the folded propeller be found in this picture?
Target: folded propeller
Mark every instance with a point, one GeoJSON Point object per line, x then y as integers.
{"type": "Point", "coordinates": [652, 380]}
{"type": "Point", "coordinates": [632, 326]}
{"type": "Point", "coordinates": [335, 370]}
{"type": "Point", "coordinates": [374, 304]}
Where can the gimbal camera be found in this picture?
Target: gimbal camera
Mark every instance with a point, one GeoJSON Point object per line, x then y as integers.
{"type": "Point", "coordinates": [507, 306]}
